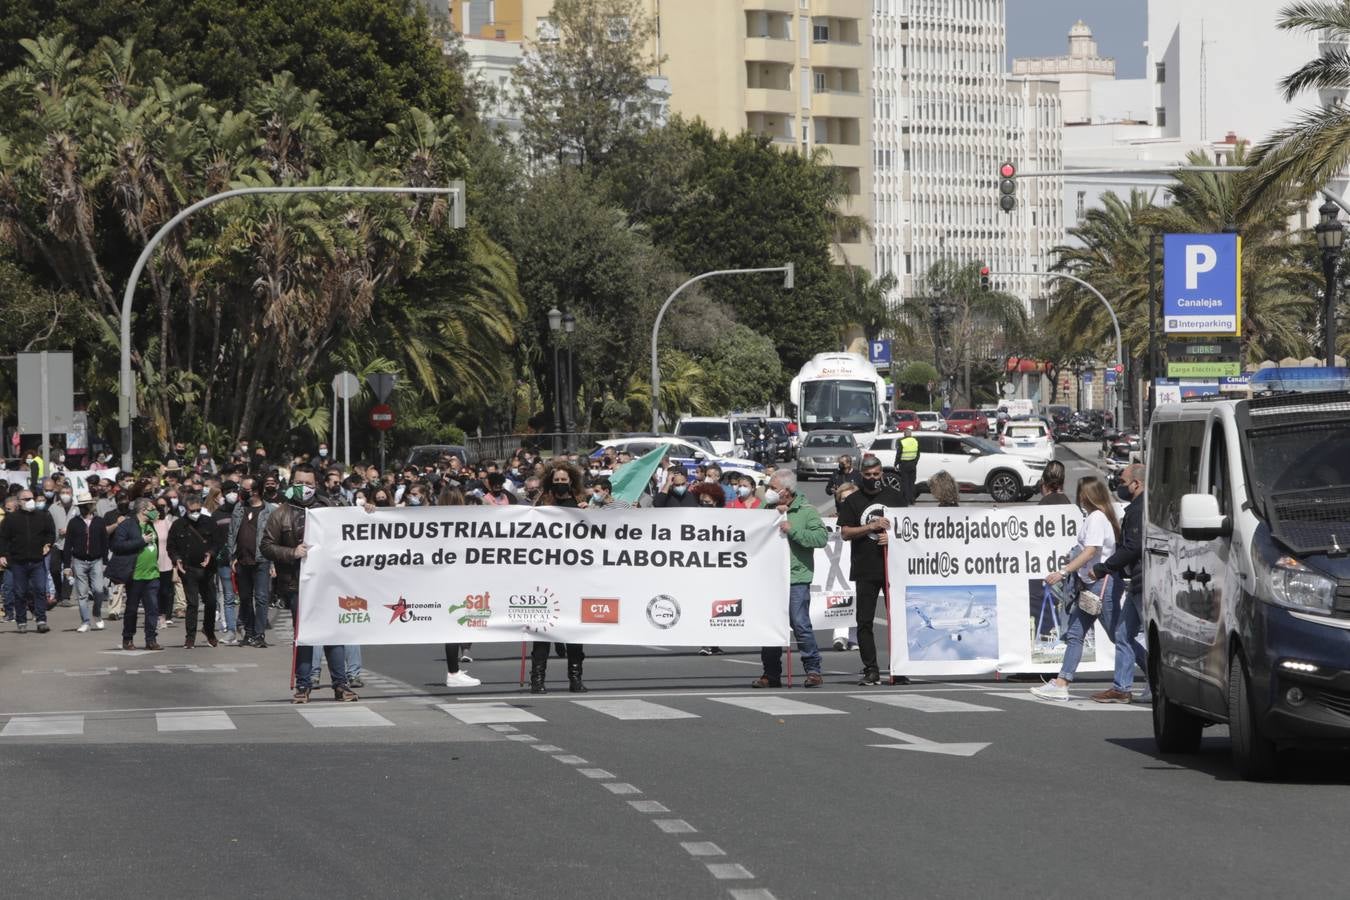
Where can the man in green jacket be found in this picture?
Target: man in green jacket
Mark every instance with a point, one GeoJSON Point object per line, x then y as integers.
{"type": "Point", "coordinates": [805, 533]}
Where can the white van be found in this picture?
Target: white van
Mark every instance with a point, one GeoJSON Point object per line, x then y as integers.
{"type": "Point", "coordinates": [1247, 573]}
{"type": "Point", "coordinates": [719, 431]}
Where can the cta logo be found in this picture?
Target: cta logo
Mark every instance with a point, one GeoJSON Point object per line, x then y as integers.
{"type": "Point", "coordinates": [727, 613]}
{"type": "Point", "coordinates": [663, 611]}
{"type": "Point", "coordinates": [475, 611]}
{"type": "Point", "coordinates": [403, 611]}
{"type": "Point", "coordinates": [536, 610]}
{"type": "Point", "coordinates": [353, 611]}
{"type": "Point", "coordinates": [600, 611]}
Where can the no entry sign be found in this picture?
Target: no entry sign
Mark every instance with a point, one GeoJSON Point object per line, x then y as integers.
{"type": "Point", "coordinates": [381, 417]}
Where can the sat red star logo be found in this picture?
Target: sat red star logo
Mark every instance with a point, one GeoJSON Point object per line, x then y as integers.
{"type": "Point", "coordinates": [400, 609]}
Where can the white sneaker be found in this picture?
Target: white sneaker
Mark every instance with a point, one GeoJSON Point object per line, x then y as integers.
{"type": "Point", "coordinates": [98, 624]}
{"type": "Point", "coordinates": [84, 626]}
{"type": "Point", "coordinates": [840, 645]}
{"type": "Point", "coordinates": [1051, 691]}
{"type": "Point", "coordinates": [166, 623]}
{"type": "Point", "coordinates": [461, 679]}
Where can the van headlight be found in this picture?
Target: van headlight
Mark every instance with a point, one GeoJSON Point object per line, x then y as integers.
{"type": "Point", "coordinates": [1289, 583]}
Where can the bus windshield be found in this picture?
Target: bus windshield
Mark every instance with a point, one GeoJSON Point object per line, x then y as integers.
{"type": "Point", "coordinates": [848, 405]}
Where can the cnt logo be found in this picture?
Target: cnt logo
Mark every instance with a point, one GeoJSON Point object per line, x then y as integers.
{"type": "Point", "coordinates": [838, 601]}
{"type": "Point", "coordinates": [727, 613]}
{"type": "Point", "coordinates": [600, 610]}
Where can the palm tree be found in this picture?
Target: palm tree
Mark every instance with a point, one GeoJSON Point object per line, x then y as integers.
{"type": "Point", "coordinates": [1315, 148]}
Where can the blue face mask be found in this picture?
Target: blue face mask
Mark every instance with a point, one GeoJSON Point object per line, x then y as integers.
{"type": "Point", "coordinates": [678, 490]}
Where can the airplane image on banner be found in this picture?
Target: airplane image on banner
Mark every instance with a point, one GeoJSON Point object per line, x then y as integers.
{"type": "Point", "coordinates": [951, 622]}
{"type": "Point", "coordinates": [954, 628]}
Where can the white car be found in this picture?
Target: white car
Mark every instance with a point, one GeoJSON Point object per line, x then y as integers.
{"type": "Point", "coordinates": [932, 421]}
{"type": "Point", "coordinates": [719, 431]}
{"type": "Point", "coordinates": [978, 465]}
{"type": "Point", "coordinates": [1030, 438]}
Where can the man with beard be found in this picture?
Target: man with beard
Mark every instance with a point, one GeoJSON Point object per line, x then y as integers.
{"type": "Point", "coordinates": [863, 523]}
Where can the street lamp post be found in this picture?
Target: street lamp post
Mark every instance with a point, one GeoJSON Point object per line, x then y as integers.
{"type": "Point", "coordinates": [569, 325]}
{"type": "Point", "coordinates": [555, 318]}
{"type": "Point", "coordinates": [1330, 235]}
{"type": "Point", "coordinates": [789, 280]}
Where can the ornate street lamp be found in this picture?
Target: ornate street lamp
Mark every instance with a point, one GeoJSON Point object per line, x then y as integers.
{"type": "Point", "coordinates": [1330, 235]}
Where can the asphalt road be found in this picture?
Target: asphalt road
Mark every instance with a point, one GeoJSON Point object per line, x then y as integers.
{"type": "Point", "coordinates": [187, 773]}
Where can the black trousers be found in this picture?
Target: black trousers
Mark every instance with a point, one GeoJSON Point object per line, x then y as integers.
{"type": "Point", "coordinates": [867, 593]}
{"type": "Point", "coordinates": [541, 649]}
{"type": "Point", "coordinates": [199, 585]}
{"type": "Point", "coordinates": [452, 658]}
{"type": "Point", "coordinates": [909, 472]}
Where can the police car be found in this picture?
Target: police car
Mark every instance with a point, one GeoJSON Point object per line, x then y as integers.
{"type": "Point", "coordinates": [686, 452]}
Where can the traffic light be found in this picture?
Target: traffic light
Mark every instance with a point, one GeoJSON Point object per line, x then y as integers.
{"type": "Point", "coordinates": [1007, 187]}
{"type": "Point", "coordinates": [984, 278]}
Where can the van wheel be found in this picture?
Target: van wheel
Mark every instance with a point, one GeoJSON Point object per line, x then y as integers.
{"type": "Point", "coordinates": [1254, 754]}
{"type": "Point", "coordinates": [1004, 486]}
{"type": "Point", "coordinates": [1175, 729]}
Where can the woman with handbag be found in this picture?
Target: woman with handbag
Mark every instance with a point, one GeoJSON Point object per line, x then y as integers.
{"type": "Point", "coordinates": [1096, 542]}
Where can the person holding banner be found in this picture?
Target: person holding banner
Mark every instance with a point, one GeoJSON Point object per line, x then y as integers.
{"type": "Point", "coordinates": [805, 533]}
{"type": "Point", "coordinates": [1096, 543]}
{"type": "Point", "coordinates": [567, 489]}
{"type": "Point", "coordinates": [863, 523]}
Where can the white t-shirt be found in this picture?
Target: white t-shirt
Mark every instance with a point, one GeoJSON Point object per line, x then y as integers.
{"type": "Point", "coordinates": [1096, 532]}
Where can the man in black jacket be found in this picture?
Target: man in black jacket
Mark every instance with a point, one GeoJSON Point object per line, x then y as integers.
{"type": "Point", "coordinates": [82, 559]}
{"type": "Point", "coordinates": [193, 545]}
{"type": "Point", "coordinates": [1125, 562]}
{"type": "Point", "coordinates": [863, 523]}
{"type": "Point", "coordinates": [675, 492]}
{"type": "Point", "coordinates": [26, 536]}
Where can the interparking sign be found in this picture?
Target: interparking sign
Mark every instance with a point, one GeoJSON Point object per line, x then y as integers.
{"type": "Point", "coordinates": [1202, 284]}
{"type": "Point", "coordinates": [879, 352]}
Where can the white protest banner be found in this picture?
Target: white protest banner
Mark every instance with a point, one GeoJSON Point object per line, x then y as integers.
{"type": "Point", "coordinates": [968, 595]}
{"type": "Point", "coordinates": [79, 479]}
{"type": "Point", "coordinates": [832, 594]}
{"type": "Point", "coordinates": [459, 574]}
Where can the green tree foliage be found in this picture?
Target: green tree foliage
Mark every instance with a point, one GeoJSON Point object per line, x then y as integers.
{"type": "Point", "coordinates": [743, 370]}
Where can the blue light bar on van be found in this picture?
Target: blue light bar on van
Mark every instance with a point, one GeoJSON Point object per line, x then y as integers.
{"type": "Point", "coordinates": [1303, 379]}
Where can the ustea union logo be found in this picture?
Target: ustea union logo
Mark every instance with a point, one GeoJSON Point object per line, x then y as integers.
{"type": "Point", "coordinates": [475, 610]}
{"type": "Point", "coordinates": [403, 611]}
{"type": "Point", "coordinates": [663, 611]}
{"type": "Point", "coordinates": [600, 610]}
{"type": "Point", "coordinates": [353, 611]}
{"type": "Point", "coordinates": [727, 613]}
{"type": "Point", "coordinates": [536, 610]}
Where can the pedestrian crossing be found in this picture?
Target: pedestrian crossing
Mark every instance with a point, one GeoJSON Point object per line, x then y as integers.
{"type": "Point", "coordinates": [465, 719]}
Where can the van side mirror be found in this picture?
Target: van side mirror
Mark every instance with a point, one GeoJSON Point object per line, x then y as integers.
{"type": "Point", "coordinates": [699, 454]}
{"type": "Point", "coordinates": [1201, 519]}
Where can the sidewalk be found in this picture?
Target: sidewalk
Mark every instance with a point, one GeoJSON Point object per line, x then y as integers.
{"type": "Point", "coordinates": [1088, 451]}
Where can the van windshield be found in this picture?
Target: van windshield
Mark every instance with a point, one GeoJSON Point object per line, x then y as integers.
{"type": "Point", "coordinates": [713, 431]}
{"type": "Point", "coordinates": [1300, 476]}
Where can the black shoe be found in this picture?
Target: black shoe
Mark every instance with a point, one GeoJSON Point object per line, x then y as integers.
{"type": "Point", "coordinates": [764, 681]}
{"type": "Point", "coordinates": [871, 678]}
{"type": "Point", "coordinates": [42, 628]}
{"type": "Point", "coordinates": [574, 683]}
{"type": "Point", "coordinates": [537, 679]}
{"type": "Point", "coordinates": [899, 679]}
{"type": "Point", "coordinates": [23, 627]}
{"type": "Point", "coordinates": [259, 642]}
{"type": "Point", "coordinates": [355, 682]}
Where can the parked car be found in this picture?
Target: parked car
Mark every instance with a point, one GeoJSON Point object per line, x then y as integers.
{"type": "Point", "coordinates": [1029, 437]}
{"type": "Point", "coordinates": [990, 418]}
{"type": "Point", "coordinates": [720, 431]}
{"type": "Point", "coordinates": [687, 452]}
{"type": "Point", "coordinates": [820, 452]}
{"type": "Point", "coordinates": [931, 421]}
{"type": "Point", "coordinates": [786, 446]}
{"type": "Point", "coordinates": [905, 418]}
{"type": "Point", "coordinates": [968, 421]}
{"type": "Point", "coordinates": [978, 465]}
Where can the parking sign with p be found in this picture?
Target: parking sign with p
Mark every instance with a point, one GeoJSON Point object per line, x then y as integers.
{"type": "Point", "coordinates": [1202, 284]}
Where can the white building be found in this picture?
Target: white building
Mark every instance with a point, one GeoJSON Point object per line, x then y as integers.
{"type": "Point", "coordinates": [945, 116]}
{"type": "Point", "coordinates": [1076, 74]}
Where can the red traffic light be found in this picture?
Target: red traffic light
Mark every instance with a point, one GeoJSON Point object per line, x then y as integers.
{"type": "Point", "coordinates": [984, 271]}
{"type": "Point", "coordinates": [1119, 368]}
{"type": "Point", "coordinates": [1007, 170]}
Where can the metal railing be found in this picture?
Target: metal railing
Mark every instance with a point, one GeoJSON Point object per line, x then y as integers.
{"type": "Point", "coordinates": [501, 446]}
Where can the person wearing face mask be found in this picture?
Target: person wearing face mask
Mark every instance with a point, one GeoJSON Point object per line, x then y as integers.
{"type": "Point", "coordinates": [745, 495]}
{"type": "Point", "coordinates": [709, 495]}
{"type": "Point", "coordinates": [805, 533]}
{"type": "Point", "coordinates": [332, 487]}
{"type": "Point", "coordinates": [284, 544]}
{"type": "Point", "coordinates": [497, 494]}
{"type": "Point", "coordinates": [221, 517]}
{"type": "Point", "coordinates": [532, 490]}
{"type": "Point", "coordinates": [166, 598]}
{"type": "Point", "coordinates": [26, 537]}
{"type": "Point", "coordinates": [863, 523]}
{"type": "Point", "coordinates": [135, 563]}
{"type": "Point", "coordinates": [844, 474]}
{"type": "Point", "coordinates": [1125, 563]}
{"type": "Point", "coordinates": [322, 458]}
{"type": "Point", "coordinates": [565, 490]}
{"type": "Point", "coordinates": [675, 492]}
{"type": "Point", "coordinates": [194, 546]}
{"type": "Point", "coordinates": [602, 495]}
{"type": "Point", "coordinates": [86, 546]}
{"type": "Point", "coordinates": [252, 572]}
{"type": "Point", "coordinates": [62, 510]}
{"type": "Point", "coordinates": [36, 466]}
{"type": "Point", "coordinates": [11, 503]}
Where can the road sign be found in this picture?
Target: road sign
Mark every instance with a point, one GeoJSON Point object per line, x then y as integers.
{"type": "Point", "coordinates": [1087, 378]}
{"type": "Point", "coordinates": [382, 383]}
{"type": "Point", "coordinates": [381, 417]}
{"type": "Point", "coordinates": [1202, 284]}
{"type": "Point", "coordinates": [1237, 383]}
{"type": "Point", "coordinates": [1210, 369]}
{"type": "Point", "coordinates": [346, 385]}
{"type": "Point", "coordinates": [879, 352]}
{"type": "Point", "coordinates": [1111, 376]}
{"type": "Point", "coordinates": [46, 379]}
{"type": "Point", "coordinates": [1202, 348]}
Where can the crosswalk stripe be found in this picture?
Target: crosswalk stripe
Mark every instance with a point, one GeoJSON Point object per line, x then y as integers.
{"type": "Point", "coordinates": [628, 710]}
{"type": "Point", "coordinates": [779, 706]}
{"type": "Point", "coordinates": [343, 717]}
{"type": "Point", "coordinates": [1075, 704]}
{"type": "Point", "coordinates": [925, 703]}
{"type": "Point", "coordinates": [194, 720]}
{"type": "Point", "coordinates": [39, 726]}
{"type": "Point", "coordinates": [488, 713]}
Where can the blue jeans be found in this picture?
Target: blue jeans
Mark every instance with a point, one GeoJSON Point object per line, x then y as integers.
{"type": "Point", "coordinates": [1129, 652]}
{"type": "Point", "coordinates": [30, 587]}
{"type": "Point", "coordinates": [229, 600]}
{"type": "Point", "coordinates": [351, 654]}
{"type": "Point", "coordinates": [142, 594]}
{"type": "Point", "coordinates": [799, 615]}
{"type": "Point", "coordinates": [7, 590]}
{"type": "Point", "coordinates": [1080, 626]}
{"type": "Point", "coordinates": [89, 581]}
{"type": "Point", "coordinates": [255, 589]}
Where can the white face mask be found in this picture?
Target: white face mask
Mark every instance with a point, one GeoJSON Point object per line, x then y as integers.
{"type": "Point", "coordinates": [195, 515]}
{"type": "Point", "coordinates": [232, 497]}
{"type": "Point", "coordinates": [306, 493]}
{"type": "Point", "coordinates": [743, 491]}
{"type": "Point", "coordinates": [65, 498]}
{"type": "Point", "coordinates": [323, 451]}
{"type": "Point", "coordinates": [771, 497]}
{"type": "Point", "coordinates": [414, 501]}
{"type": "Point", "coordinates": [30, 505]}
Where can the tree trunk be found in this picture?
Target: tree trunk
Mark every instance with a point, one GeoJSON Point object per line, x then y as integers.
{"type": "Point", "coordinates": [262, 362]}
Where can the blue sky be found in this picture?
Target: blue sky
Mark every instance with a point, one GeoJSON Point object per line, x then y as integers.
{"type": "Point", "coordinates": [1041, 28]}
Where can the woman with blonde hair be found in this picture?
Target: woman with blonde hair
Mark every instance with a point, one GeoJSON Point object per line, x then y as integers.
{"type": "Point", "coordinates": [1096, 542]}
{"type": "Point", "coordinates": [943, 488]}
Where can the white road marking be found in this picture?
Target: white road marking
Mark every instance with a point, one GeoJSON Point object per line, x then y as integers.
{"type": "Point", "coordinates": [674, 826]}
{"type": "Point", "coordinates": [1079, 705]}
{"type": "Point", "coordinates": [488, 713]}
{"type": "Point", "coordinates": [34, 726]}
{"type": "Point", "coordinates": [648, 806]}
{"type": "Point", "coordinates": [779, 706]}
{"type": "Point", "coordinates": [925, 703]}
{"type": "Point", "coordinates": [596, 773]}
{"type": "Point", "coordinates": [702, 848]}
{"type": "Point", "coordinates": [729, 871]}
{"type": "Point", "coordinates": [923, 745]}
{"type": "Point", "coordinates": [522, 738]}
{"type": "Point", "coordinates": [343, 717]}
{"type": "Point", "coordinates": [629, 710]}
{"type": "Point", "coordinates": [752, 894]}
{"type": "Point", "coordinates": [620, 787]}
{"type": "Point", "coordinates": [503, 729]}
{"type": "Point", "coordinates": [194, 720]}
{"type": "Point", "coordinates": [547, 748]}
{"type": "Point", "coordinates": [568, 760]}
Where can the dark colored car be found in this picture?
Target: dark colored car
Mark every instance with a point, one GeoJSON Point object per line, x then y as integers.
{"type": "Point", "coordinates": [968, 421]}
{"type": "Point", "coordinates": [430, 454]}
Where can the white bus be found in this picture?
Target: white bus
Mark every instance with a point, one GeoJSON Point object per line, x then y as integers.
{"type": "Point", "coordinates": [840, 391]}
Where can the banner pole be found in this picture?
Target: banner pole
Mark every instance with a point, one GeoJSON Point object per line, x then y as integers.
{"type": "Point", "coordinates": [890, 621]}
{"type": "Point", "coordinates": [789, 666]}
{"type": "Point", "coordinates": [522, 663]}
{"type": "Point", "coordinates": [295, 638]}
